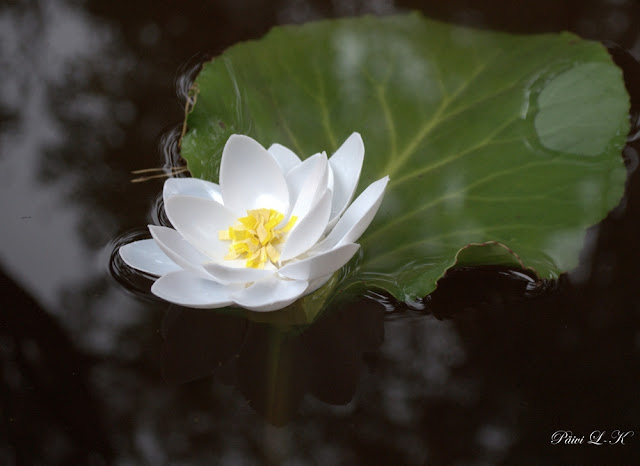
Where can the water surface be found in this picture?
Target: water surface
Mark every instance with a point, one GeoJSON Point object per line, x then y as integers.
{"type": "Point", "coordinates": [482, 372]}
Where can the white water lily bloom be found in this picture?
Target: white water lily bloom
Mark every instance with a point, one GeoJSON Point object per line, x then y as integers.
{"type": "Point", "coordinates": [275, 228]}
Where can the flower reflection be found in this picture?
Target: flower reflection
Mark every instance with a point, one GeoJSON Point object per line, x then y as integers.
{"type": "Point", "coordinates": [272, 366]}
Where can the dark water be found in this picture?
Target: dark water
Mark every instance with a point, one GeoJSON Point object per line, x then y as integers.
{"type": "Point", "coordinates": [92, 373]}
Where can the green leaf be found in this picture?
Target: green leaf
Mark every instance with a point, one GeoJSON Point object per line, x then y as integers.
{"type": "Point", "coordinates": [488, 137]}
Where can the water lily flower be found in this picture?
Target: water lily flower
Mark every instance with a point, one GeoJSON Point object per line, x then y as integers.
{"type": "Point", "coordinates": [275, 229]}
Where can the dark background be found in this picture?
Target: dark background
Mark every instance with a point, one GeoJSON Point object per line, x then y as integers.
{"type": "Point", "coordinates": [92, 372]}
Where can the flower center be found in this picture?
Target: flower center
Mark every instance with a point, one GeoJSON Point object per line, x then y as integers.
{"type": "Point", "coordinates": [255, 236]}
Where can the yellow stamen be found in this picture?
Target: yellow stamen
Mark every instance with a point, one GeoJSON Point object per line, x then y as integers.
{"type": "Point", "coordinates": [255, 236]}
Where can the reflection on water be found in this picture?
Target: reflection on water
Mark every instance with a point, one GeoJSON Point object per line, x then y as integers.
{"type": "Point", "coordinates": [86, 91]}
{"type": "Point", "coordinates": [274, 367]}
{"type": "Point", "coordinates": [56, 119]}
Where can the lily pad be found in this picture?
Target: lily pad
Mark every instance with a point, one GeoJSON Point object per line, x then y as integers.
{"type": "Point", "coordinates": [508, 141]}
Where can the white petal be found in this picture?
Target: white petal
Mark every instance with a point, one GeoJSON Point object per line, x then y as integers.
{"type": "Point", "coordinates": [228, 274]}
{"type": "Point", "coordinates": [179, 250]}
{"type": "Point", "coordinates": [320, 265]}
{"type": "Point", "coordinates": [284, 157]}
{"type": "Point", "coordinates": [331, 223]}
{"type": "Point", "coordinates": [299, 174]}
{"type": "Point", "coordinates": [308, 231]}
{"type": "Point", "coordinates": [199, 221]}
{"type": "Point", "coordinates": [187, 289]}
{"type": "Point", "coordinates": [250, 178]}
{"type": "Point", "coordinates": [317, 283]}
{"type": "Point", "coordinates": [346, 165]}
{"type": "Point", "coordinates": [357, 217]}
{"type": "Point", "coordinates": [191, 187]}
{"type": "Point", "coordinates": [330, 181]}
{"type": "Point", "coordinates": [332, 219]}
{"type": "Point", "coordinates": [314, 185]}
{"type": "Point", "coordinates": [270, 294]}
{"type": "Point", "coordinates": [146, 256]}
